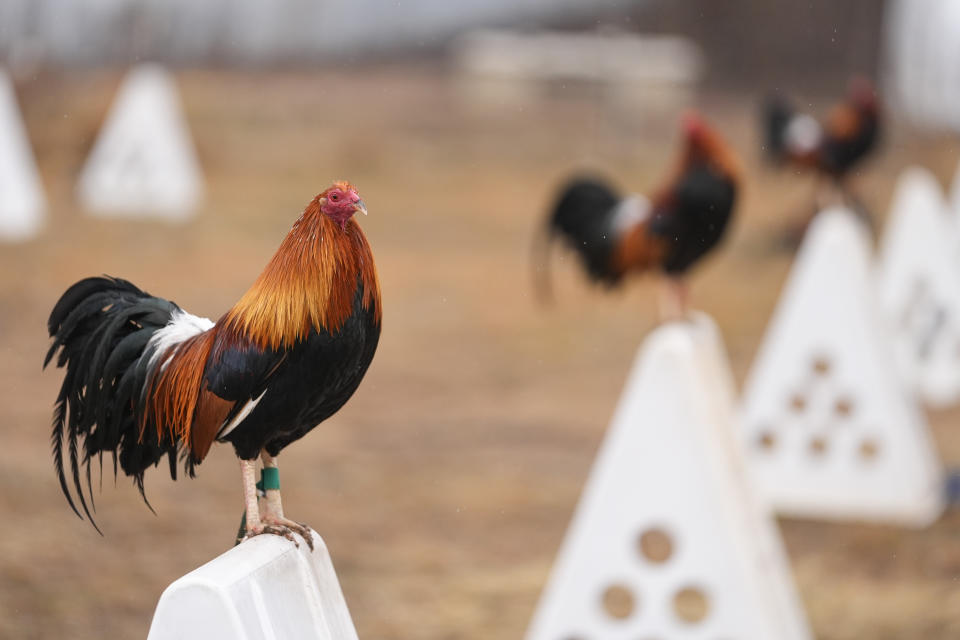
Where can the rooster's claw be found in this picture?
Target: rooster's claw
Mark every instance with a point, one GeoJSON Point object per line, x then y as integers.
{"type": "Point", "coordinates": [282, 531]}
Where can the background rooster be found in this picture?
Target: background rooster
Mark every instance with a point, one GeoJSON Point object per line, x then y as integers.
{"type": "Point", "coordinates": [832, 148]}
{"type": "Point", "coordinates": [145, 380]}
{"type": "Point", "coordinates": [681, 223]}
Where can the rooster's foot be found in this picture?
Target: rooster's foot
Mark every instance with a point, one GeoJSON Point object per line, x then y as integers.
{"type": "Point", "coordinates": [277, 530]}
{"type": "Point", "coordinates": [289, 525]}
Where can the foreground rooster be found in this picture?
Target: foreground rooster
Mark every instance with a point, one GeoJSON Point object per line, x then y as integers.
{"type": "Point", "coordinates": [831, 149]}
{"type": "Point", "coordinates": [146, 380]}
{"type": "Point", "coordinates": [680, 224]}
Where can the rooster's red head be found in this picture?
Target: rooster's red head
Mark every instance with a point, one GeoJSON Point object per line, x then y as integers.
{"type": "Point", "coordinates": [693, 125]}
{"type": "Point", "coordinates": [862, 93]}
{"type": "Point", "coordinates": [340, 201]}
{"type": "Point", "coordinates": [704, 143]}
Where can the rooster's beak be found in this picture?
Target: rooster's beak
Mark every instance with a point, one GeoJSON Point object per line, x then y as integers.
{"type": "Point", "coordinates": [360, 207]}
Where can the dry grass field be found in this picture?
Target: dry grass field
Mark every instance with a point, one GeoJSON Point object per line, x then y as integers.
{"type": "Point", "coordinates": [444, 487]}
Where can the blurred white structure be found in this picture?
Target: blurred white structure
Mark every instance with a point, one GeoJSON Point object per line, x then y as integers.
{"type": "Point", "coordinates": [263, 589]}
{"type": "Point", "coordinates": [828, 428]}
{"type": "Point", "coordinates": [923, 52]}
{"type": "Point", "coordinates": [143, 162]}
{"type": "Point", "coordinates": [654, 70]}
{"type": "Point", "coordinates": [22, 208]}
{"type": "Point", "coordinates": [619, 57]}
{"type": "Point", "coordinates": [93, 31]}
{"type": "Point", "coordinates": [919, 283]}
{"type": "Point", "coordinates": [953, 198]}
{"type": "Point", "coordinates": [668, 541]}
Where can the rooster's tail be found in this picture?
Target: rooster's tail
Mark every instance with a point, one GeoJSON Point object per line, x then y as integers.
{"type": "Point", "coordinates": [777, 114]}
{"type": "Point", "coordinates": [102, 328]}
{"type": "Point", "coordinates": [583, 217]}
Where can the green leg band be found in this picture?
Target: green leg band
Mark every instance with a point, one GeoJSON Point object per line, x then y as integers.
{"type": "Point", "coordinates": [271, 478]}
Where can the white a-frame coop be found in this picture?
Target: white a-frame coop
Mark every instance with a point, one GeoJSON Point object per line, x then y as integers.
{"type": "Point", "coordinates": [919, 282]}
{"type": "Point", "coordinates": [667, 540]}
{"type": "Point", "coordinates": [22, 206]}
{"type": "Point", "coordinates": [143, 163]}
{"type": "Point", "coordinates": [827, 426]}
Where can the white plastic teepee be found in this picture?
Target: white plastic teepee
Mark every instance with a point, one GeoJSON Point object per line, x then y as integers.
{"type": "Point", "coordinates": [263, 589]}
{"type": "Point", "coordinates": [668, 541]}
{"type": "Point", "coordinates": [919, 283]}
{"type": "Point", "coordinates": [21, 194]}
{"type": "Point", "coordinates": [828, 428]}
{"type": "Point", "coordinates": [143, 162]}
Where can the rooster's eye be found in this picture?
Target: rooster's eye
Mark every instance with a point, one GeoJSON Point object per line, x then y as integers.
{"type": "Point", "coordinates": [334, 197]}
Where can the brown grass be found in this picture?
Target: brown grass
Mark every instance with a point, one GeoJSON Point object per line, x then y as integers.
{"type": "Point", "coordinates": [444, 487]}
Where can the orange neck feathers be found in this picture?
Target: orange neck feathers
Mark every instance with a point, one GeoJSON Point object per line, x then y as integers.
{"type": "Point", "coordinates": [309, 283]}
{"type": "Point", "coordinates": [711, 148]}
{"type": "Point", "coordinates": [703, 146]}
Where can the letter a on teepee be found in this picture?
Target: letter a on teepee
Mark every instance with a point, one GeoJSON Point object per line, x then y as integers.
{"type": "Point", "coordinates": [828, 428]}
{"type": "Point", "coordinates": [667, 541]}
{"type": "Point", "coordinates": [21, 196]}
{"type": "Point", "coordinates": [919, 281]}
{"type": "Point", "coordinates": [143, 163]}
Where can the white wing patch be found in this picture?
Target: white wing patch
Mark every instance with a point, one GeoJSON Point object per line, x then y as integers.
{"type": "Point", "coordinates": [237, 419]}
{"type": "Point", "coordinates": [182, 326]}
{"type": "Point", "coordinates": [803, 134]}
{"type": "Point", "coordinates": [629, 212]}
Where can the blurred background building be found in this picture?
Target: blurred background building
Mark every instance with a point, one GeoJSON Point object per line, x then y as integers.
{"type": "Point", "coordinates": [818, 40]}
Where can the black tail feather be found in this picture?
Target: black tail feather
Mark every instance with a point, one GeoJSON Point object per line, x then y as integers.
{"type": "Point", "coordinates": [777, 114]}
{"type": "Point", "coordinates": [83, 290]}
{"type": "Point", "coordinates": [583, 217]}
{"type": "Point", "coordinates": [93, 506]}
{"type": "Point", "coordinates": [172, 460]}
{"type": "Point", "coordinates": [75, 466]}
{"type": "Point", "coordinates": [101, 328]}
{"type": "Point", "coordinates": [57, 439]}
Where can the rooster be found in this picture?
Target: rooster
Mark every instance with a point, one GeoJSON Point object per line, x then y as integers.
{"type": "Point", "coordinates": [146, 380]}
{"type": "Point", "coordinates": [831, 149]}
{"type": "Point", "coordinates": [669, 233]}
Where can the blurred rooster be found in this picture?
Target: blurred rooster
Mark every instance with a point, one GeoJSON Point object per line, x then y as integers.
{"type": "Point", "coordinates": [681, 223]}
{"type": "Point", "coordinates": [831, 149]}
{"type": "Point", "coordinates": [145, 379]}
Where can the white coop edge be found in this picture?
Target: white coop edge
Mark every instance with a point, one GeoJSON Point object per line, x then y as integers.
{"type": "Point", "coordinates": [828, 427]}
{"type": "Point", "coordinates": [263, 589]}
{"type": "Point", "coordinates": [918, 277]}
{"type": "Point", "coordinates": [669, 469]}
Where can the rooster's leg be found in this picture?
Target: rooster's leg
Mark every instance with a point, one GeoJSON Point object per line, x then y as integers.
{"type": "Point", "coordinates": [274, 506]}
{"type": "Point", "coordinates": [853, 202]}
{"type": "Point", "coordinates": [255, 527]}
{"type": "Point", "coordinates": [673, 299]}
